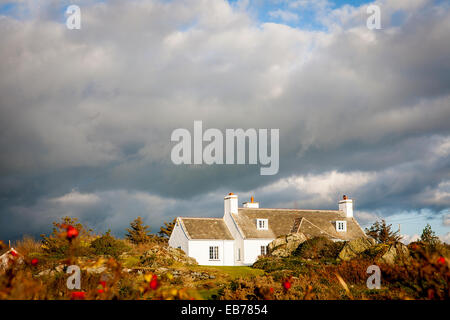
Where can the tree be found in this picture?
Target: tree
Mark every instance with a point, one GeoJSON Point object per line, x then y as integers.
{"type": "Point", "coordinates": [60, 244]}
{"type": "Point", "coordinates": [138, 233]}
{"type": "Point", "coordinates": [382, 232]}
{"type": "Point", "coordinates": [429, 236]}
{"type": "Point", "coordinates": [166, 230]}
{"type": "Point", "coordinates": [108, 245]}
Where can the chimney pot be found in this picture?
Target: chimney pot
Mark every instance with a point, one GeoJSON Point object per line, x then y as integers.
{"type": "Point", "coordinates": [231, 204]}
{"type": "Point", "coordinates": [346, 205]}
{"type": "Point", "coordinates": [251, 204]}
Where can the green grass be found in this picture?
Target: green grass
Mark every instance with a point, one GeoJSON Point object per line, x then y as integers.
{"type": "Point", "coordinates": [231, 271]}
{"type": "Point", "coordinates": [208, 294]}
{"type": "Point", "coordinates": [131, 261]}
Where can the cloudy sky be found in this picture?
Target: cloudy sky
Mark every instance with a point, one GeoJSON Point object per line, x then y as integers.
{"type": "Point", "coordinates": [86, 115]}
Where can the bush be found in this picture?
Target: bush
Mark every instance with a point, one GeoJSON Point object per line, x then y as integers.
{"type": "Point", "coordinates": [28, 246]}
{"type": "Point", "coordinates": [319, 247]}
{"type": "Point", "coordinates": [108, 245]}
{"type": "Point", "coordinates": [58, 244]}
{"type": "Point", "coordinates": [427, 276]}
{"type": "Point", "coordinates": [375, 251]}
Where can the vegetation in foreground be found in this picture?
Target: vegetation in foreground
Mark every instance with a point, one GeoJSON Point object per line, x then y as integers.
{"type": "Point", "coordinates": [143, 267]}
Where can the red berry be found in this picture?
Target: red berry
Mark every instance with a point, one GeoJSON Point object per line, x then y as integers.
{"type": "Point", "coordinates": [13, 253]}
{"type": "Point", "coordinates": [441, 260]}
{"type": "Point", "coordinates": [34, 262]}
{"type": "Point", "coordinates": [154, 284]}
{"type": "Point", "coordinates": [72, 232]}
{"type": "Point", "coordinates": [103, 283]}
{"type": "Point", "coordinates": [78, 295]}
{"type": "Point", "coordinates": [100, 291]}
{"type": "Point", "coordinates": [287, 285]}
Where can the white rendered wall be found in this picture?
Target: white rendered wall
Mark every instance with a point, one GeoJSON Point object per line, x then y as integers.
{"type": "Point", "coordinates": [230, 204]}
{"type": "Point", "coordinates": [347, 207]}
{"type": "Point", "coordinates": [179, 239]}
{"type": "Point", "coordinates": [228, 249]}
{"type": "Point", "coordinates": [238, 242]}
{"type": "Point", "coordinates": [252, 249]}
{"type": "Point", "coordinates": [199, 250]}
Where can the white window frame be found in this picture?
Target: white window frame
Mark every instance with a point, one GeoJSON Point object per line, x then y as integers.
{"type": "Point", "coordinates": [213, 253]}
{"type": "Point", "coordinates": [264, 250]}
{"type": "Point", "coordinates": [341, 226]}
{"type": "Point", "coordinates": [262, 224]}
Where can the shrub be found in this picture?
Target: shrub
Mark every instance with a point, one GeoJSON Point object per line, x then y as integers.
{"type": "Point", "coordinates": [319, 247]}
{"type": "Point", "coordinates": [108, 245]}
{"type": "Point", "coordinates": [28, 246]}
{"type": "Point", "coordinates": [59, 245]}
{"type": "Point", "coordinates": [375, 251]}
{"type": "Point", "coordinates": [427, 275]}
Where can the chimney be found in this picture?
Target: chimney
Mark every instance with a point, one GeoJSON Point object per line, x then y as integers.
{"type": "Point", "coordinates": [231, 204]}
{"type": "Point", "coordinates": [346, 205]}
{"type": "Point", "coordinates": [251, 204]}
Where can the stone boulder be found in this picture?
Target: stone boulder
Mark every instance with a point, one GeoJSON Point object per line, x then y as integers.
{"type": "Point", "coordinates": [180, 256]}
{"type": "Point", "coordinates": [397, 253]}
{"type": "Point", "coordinates": [9, 258]}
{"type": "Point", "coordinates": [284, 246]}
{"type": "Point", "coordinates": [158, 256]}
{"type": "Point", "coordinates": [354, 248]}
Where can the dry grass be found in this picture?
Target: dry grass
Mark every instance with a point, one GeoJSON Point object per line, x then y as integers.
{"type": "Point", "coordinates": [426, 276]}
{"type": "Point", "coordinates": [28, 246]}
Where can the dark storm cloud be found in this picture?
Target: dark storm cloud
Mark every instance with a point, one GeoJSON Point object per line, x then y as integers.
{"type": "Point", "coordinates": [89, 113]}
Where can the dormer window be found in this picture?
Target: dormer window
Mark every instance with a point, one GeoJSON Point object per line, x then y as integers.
{"type": "Point", "coordinates": [262, 224]}
{"type": "Point", "coordinates": [341, 226]}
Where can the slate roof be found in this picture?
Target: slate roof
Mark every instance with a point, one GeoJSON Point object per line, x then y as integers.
{"type": "Point", "coordinates": [312, 223]}
{"type": "Point", "coordinates": [206, 228]}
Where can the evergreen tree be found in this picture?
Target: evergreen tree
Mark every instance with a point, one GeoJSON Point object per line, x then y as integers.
{"type": "Point", "coordinates": [138, 233]}
{"type": "Point", "coordinates": [166, 230]}
{"type": "Point", "coordinates": [429, 236]}
{"type": "Point", "coordinates": [382, 232]}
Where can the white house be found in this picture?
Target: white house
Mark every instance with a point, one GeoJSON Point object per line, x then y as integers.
{"type": "Point", "coordinates": [244, 233]}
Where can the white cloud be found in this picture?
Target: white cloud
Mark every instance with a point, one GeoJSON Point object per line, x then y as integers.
{"type": "Point", "coordinates": [284, 15]}
{"type": "Point", "coordinates": [321, 189]}
{"type": "Point", "coordinates": [366, 218]}
{"type": "Point", "coordinates": [76, 198]}
{"type": "Point", "coordinates": [445, 238]}
{"type": "Point", "coordinates": [408, 238]}
{"type": "Point", "coordinates": [362, 113]}
{"type": "Point", "coordinates": [446, 220]}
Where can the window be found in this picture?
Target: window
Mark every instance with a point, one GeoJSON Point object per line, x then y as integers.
{"type": "Point", "coordinates": [239, 254]}
{"type": "Point", "coordinates": [263, 250]}
{"type": "Point", "coordinates": [262, 224]}
{"type": "Point", "coordinates": [341, 226]}
{"type": "Point", "coordinates": [213, 253]}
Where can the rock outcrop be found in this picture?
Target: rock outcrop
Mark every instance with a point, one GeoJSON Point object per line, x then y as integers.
{"type": "Point", "coordinates": [159, 255]}
{"type": "Point", "coordinates": [9, 257]}
{"type": "Point", "coordinates": [397, 253]}
{"type": "Point", "coordinates": [284, 246]}
{"type": "Point", "coordinates": [383, 253]}
{"type": "Point", "coordinates": [354, 248]}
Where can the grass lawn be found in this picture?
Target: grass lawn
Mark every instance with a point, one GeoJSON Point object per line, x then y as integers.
{"type": "Point", "coordinates": [231, 271]}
